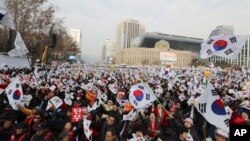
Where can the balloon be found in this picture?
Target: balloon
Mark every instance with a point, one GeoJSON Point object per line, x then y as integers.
{"type": "Point", "coordinates": [207, 73]}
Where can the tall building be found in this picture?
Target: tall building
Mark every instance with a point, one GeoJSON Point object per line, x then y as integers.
{"type": "Point", "coordinates": [103, 53]}
{"type": "Point", "coordinates": [108, 51]}
{"type": "Point", "coordinates": [77, 37]}
{"type": "Point", "coordinates": [221, 30]}
{"type": "Point", "coordinates": [126, 30]}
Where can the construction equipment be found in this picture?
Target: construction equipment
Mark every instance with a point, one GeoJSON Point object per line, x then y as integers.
{"type": "Point", "coordinates": [44, 56]}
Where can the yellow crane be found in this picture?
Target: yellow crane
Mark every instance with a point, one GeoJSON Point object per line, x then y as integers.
{"type": "Point", "coordinates": [44, 56]}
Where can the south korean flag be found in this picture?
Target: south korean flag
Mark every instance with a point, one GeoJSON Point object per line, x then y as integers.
{"type": "Point", "coordinates": [141, 95]}
{"type": "Point", "coordinates": [224, 45]}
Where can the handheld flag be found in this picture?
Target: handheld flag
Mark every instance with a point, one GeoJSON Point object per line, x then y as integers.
{"type": "Point", "coordinates": [55, 101]}
{"type": "Point", "coordinates": [130, 115]}
{"type": "Point", "coordinates": [224, 45]}
{"type": "Point", "coordinates": [14, 93]}
{"type": "Point", "coordinates": [113, 88]}
{"type": "Point", "coordinates": [87, 131]}
{"type": "Point", "coordinates": [141, 95]}
{"type": "Point", "coordinates": [164, 73]}
{"type": "Point", "coordinates": [211, 107]}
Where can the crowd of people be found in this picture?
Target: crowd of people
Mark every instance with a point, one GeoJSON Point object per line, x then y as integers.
{"type": "Point", "coordinates": [104, 92]}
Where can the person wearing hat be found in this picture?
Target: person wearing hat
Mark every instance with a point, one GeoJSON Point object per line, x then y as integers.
{"type": "Point", "coordinates": [42, 133]}
{"type": "Point", "coordinates": [188, 123]}
{"type": "Point", "coordinates": [221, 135]}
{"type": "Point", "coordinates": [21, 133]}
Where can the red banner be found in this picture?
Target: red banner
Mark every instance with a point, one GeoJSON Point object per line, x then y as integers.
{"type": "Point", "coordinates": [78, 113]}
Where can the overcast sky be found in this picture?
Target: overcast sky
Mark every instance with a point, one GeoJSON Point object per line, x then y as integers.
{"type": "Point", "coordinates": [98, 19]}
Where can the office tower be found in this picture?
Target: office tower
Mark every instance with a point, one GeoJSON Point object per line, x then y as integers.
{"type": "Point", "coordinates": [221, 30]}
{"type": "Point", "coordinates": [127, 30]}
{"type": "Point", "coordinates": [77, 37]}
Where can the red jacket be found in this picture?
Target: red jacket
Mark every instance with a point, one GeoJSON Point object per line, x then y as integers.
{"type": "Point", "coordinates": [163, 118]}
{"type": "Point", "coordinates": [237, 119]}
{"type": "Point", "coordinates": [25, 136]}
{"type": "Point", "coordinates": [152, 128]}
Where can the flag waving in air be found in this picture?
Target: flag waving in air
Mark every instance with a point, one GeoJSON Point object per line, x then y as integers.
{"type": "Point", "coordinates": [54, 101]}
{"type": "Point", "coordinates": [141, 95]}
{"type": "Point", "coordinates": [224, 45]}
{"type": "Point", "coordinates": [5, 17]}
{"type": "Point", "coordinates": [87, 131]}
{"type": "Point", "coordinates": [164, 73]}
{"type": "Point", "coordinates": [113, 88]}
{"type": "Point", "coordinates": [20, 47]}
{"type": "Point", "coordinates": [14, 93]}
{"type": "Point", "coordinates": [211, 107]}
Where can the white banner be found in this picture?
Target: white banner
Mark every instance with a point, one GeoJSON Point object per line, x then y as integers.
{"type": "Point", "coordinates": [168, 56]}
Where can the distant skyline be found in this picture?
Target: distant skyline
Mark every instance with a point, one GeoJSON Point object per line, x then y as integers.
{"type": "Point", "coordinates": [98, 19]}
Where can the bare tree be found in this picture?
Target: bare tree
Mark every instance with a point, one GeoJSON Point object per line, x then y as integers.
{"type": "Point", "coordinates": [33, 19]}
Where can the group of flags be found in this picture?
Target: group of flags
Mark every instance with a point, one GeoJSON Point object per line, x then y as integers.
{"type": "Point", "coordinates": [141, 95]}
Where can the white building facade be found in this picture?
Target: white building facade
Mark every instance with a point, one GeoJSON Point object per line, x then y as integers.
{"type": "Point", "coordinates": [109, 51]}
{"type": "Point", "coordinates": [77, 37]}
{"type": "Point", "coordinates": [127, 30]}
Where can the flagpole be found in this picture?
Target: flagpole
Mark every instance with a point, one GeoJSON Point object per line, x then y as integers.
{"type": "Point", "coordinates": [32, 71]}
{"type": "Point", "coordinates": [160, 103]}
{"type": "Point", "coordinates": [204, 131]}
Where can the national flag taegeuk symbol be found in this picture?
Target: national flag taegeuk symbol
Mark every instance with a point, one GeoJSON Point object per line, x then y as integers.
{"type": "Point", "coordinates": [210, 106]}
{"type": "Point", "coordinates": [141, 95]}
{"type": "Point", "coordinates": [164, 72]}
{"type": "Point", "coordinates": [138, 94]}
{"type": "Point", "coordinates": [218, 107]}
{"type": "Point", "coordinates": [223, 45]}
{"type": "Point", "coordinates": [14, 93]}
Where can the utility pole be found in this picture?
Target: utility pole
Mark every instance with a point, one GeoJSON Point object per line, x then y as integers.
{"type": "Point", "coordinates": [11, 40]}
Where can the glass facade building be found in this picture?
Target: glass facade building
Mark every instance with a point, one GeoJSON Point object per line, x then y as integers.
{"type": "Point", "coordinates": [182, 43]}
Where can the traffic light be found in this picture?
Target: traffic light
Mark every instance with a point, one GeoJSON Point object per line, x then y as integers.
{"type": "Point", "coordinates": [52, 41]}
